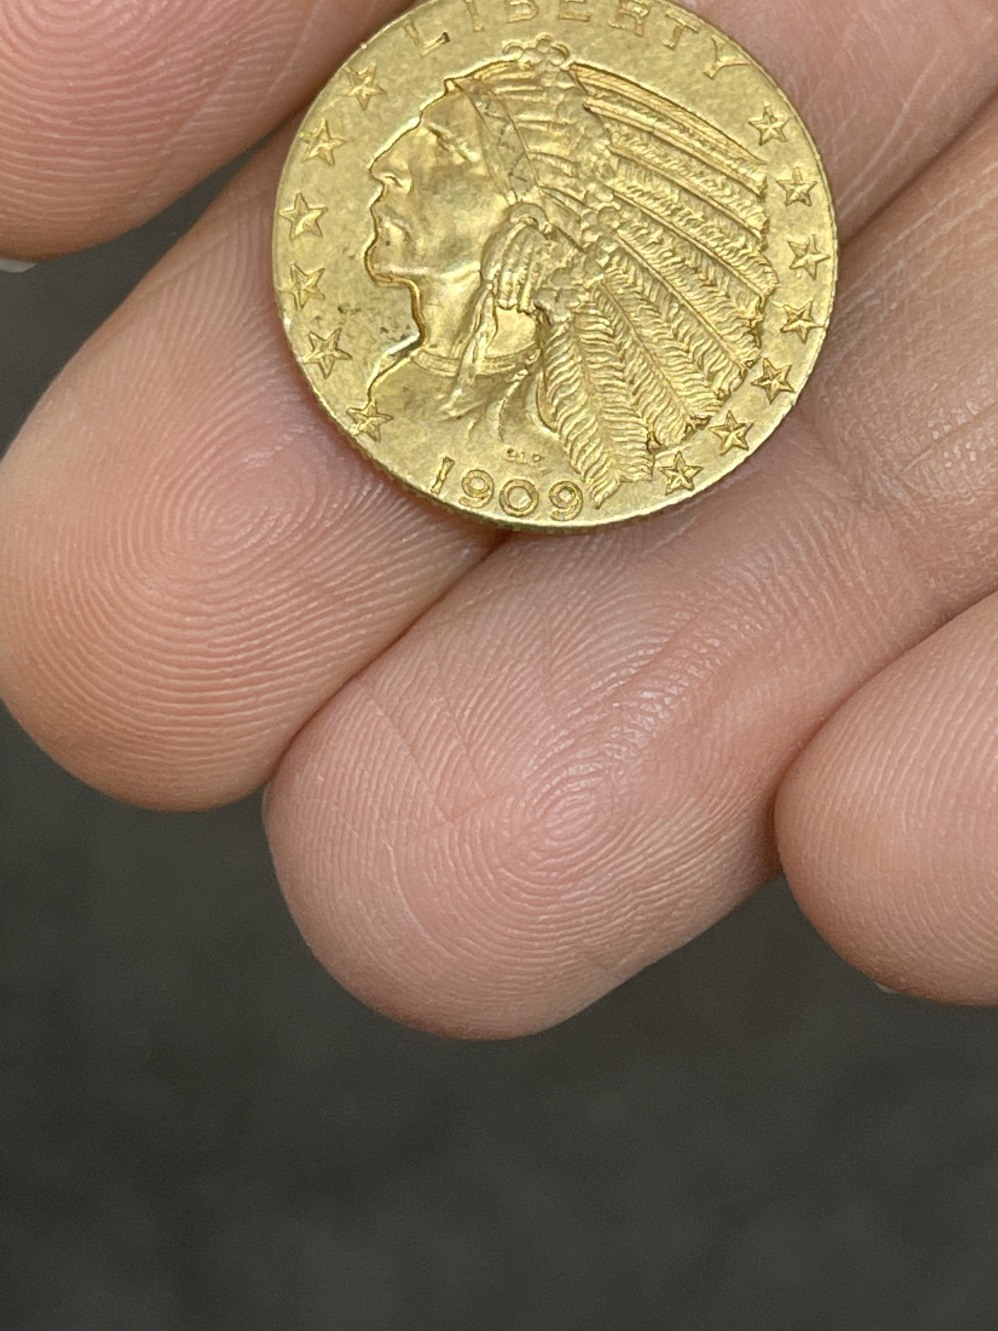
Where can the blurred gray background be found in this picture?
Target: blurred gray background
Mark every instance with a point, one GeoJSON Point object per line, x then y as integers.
{"type": "Point", "coordinates": [198, 1129]}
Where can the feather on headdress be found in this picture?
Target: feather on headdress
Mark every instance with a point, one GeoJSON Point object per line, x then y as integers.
{"type": "Point", "coordinates": [637, 231]}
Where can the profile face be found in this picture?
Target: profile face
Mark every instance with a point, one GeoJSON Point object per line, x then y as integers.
{"type": "Point", "coordinates": [438, 204]}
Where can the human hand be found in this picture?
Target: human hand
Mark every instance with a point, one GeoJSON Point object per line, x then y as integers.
{"type": "Point", "coordinates": [506, 774]}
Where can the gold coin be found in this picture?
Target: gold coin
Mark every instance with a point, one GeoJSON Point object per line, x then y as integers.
{"type": "Point", "coordinates": [556, 263]}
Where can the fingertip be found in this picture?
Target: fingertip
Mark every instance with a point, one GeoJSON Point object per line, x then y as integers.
{"type": "Point", "coordinates": [433, 883]}
{"type": "Point", "coordinates": [888, 823]}
{"type": "Point", "coordinates": [109, 111]}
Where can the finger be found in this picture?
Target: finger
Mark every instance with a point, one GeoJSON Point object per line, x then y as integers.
{"type": "Point", "coordinates": [826, 55]}
{"type": "Point", "coordinates": [191, 560]}
{"type": "Point", "coordinates": [192, 646]}
{"type": "Point", "coordinates": [567, 768]}
{"type": "Point", "coordinates": [888, 825]}
{"type": "Point", "coordinates": [109, 111]}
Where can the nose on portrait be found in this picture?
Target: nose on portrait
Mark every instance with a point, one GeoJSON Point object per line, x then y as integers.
{"type": "Point", "coordinates": [391, 166]}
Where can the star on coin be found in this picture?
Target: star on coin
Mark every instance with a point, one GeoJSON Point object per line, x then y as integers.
{"type": "Point", "coordinates": [321, 144]}
{"type": "Point", "coordinates": [733, 434]}
{"type": "Point", "coordinates": [326, 351]}
{"type": "Point", "coordinates": [681, 475]}
{"type": "Point", "coordinates": [304, 286]}
{"type": "Point", "coordinates": [770, 126]}
{"type": "Point", "coordinates": [797, 188]}
{"type": "Point", "coordinates": [807, 256]}
{"type": "Point", "coordinates": [800, 321]}
{"type": "Point", "coordinates": [303, 217]}
{"type": "Point", "coordinates": [363, 85]}
{"type": "Point", "coordinates": [773, 380]}
{"type": "Point", "coordinates": [368, 420]}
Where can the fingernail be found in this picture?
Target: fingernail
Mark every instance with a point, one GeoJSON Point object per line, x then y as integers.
{"type": "Point", "coordinates": [14, 265]}
{"type": "Point", "coordinates": [892, 993]}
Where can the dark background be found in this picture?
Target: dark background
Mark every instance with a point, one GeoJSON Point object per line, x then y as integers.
{"type": "Point", "coordinates": [198, 1129]}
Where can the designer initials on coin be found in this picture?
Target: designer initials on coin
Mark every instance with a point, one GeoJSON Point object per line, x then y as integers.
{"type": "Point", "coordinates": [556, 263]}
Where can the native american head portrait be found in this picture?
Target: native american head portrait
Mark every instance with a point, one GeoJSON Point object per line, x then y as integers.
{"type": "Point", "coordinates": [585, 257]}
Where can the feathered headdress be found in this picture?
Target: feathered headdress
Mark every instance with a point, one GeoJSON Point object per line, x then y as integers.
{"type": "Point", "coordinates": [637, 232]}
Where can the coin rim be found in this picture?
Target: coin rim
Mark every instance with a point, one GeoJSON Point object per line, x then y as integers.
{"type": "Point", "coordinates": [578, 525]}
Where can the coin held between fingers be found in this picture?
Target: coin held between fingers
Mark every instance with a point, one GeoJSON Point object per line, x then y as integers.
{"type": "Point", "coordinates": [555, 265]}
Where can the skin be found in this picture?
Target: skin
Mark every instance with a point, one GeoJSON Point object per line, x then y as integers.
{"type": "Point", "coordinates": [504, 776]}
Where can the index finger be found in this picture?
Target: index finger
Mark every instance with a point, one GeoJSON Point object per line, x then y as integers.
{"type": "Point", "coordinates": [110, 111]}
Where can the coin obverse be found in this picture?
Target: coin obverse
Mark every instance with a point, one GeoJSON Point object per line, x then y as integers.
{"type": "Point", "coordinates": [556, 263]}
